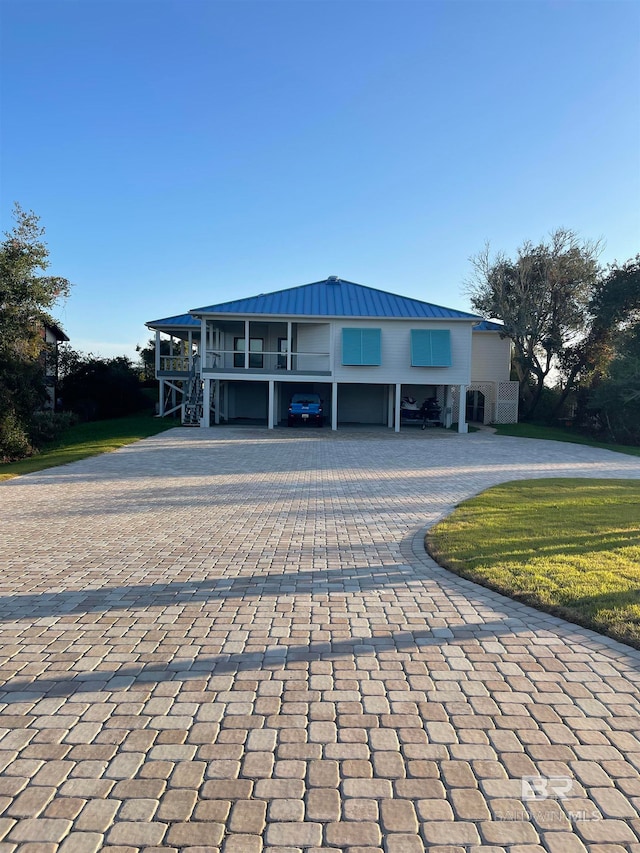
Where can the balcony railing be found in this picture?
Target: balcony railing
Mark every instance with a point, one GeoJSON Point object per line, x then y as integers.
{"type": "Point", "coordinates": [174, 363]}
{"type": "Point", "coordinates": [267, 362]}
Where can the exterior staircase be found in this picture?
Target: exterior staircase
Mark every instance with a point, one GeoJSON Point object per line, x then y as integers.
{"type": "Point", "coordinates": [192, 410]}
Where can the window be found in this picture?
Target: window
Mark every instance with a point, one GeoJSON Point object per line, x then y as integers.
{"type": "Point", "coordinates": [283, 345]}
{"type": "Point", "coordinates": [430, 348]}
{"type": "Point", "coordinates": [256, 359]}
{"type": "Point", "coordinates": [361, 346]}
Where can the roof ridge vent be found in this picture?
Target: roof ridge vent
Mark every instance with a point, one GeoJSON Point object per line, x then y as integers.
{"type": "Point", "coordinates": [334, 279]}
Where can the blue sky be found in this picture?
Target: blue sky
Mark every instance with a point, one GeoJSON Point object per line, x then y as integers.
{"type": "Point", "coordinates": [183, 152]}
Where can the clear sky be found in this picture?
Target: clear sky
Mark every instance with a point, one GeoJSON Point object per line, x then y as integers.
{"type": "Point", "coordinates": [187, 152]}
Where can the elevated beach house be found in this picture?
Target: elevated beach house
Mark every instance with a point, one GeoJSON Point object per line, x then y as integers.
{"type": "Point", "coordinates": [360, 349]}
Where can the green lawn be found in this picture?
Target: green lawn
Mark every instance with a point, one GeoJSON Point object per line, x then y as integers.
{"type": "Point", "coordinates": [527, 430]}
{"type": "Point", "coordinates": [88, 439]}
{"type": "Point", "coordinates": [567, 546]}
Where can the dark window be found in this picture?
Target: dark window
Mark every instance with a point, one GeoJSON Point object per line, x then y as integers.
{"type": "Point", "coordinates": [256, 359]}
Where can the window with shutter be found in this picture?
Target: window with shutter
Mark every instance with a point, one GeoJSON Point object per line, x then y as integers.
{"type": "Point", "coordinates": [430, 348]}
{"type": "Point", "coordinates": [361, 346]}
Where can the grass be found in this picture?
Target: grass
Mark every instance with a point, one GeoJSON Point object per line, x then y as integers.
{"type": "Point", "coordinates": [567, 546]}
{"type": "Point", "coordinates": [527, 430]}
{"type": "Point", "coordinates": [88, 439]}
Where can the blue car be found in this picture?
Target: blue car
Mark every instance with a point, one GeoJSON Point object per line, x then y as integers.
{"type": "Point", "coordinates": [305, 409]}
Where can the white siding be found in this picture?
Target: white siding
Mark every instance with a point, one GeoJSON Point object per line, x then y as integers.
{"type": "Point", "coordinates": [491, 357]}
{"type": "Point", "coordinates": [396, 354]}
{"type": "Point", "coordinates": [312, 337]}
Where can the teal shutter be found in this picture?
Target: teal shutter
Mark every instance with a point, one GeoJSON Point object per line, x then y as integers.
{"type": "Point", "coordinates": [440, 348]}
{"type": "Point", "coordinates": [351, 346]}
{"type": "Point", "coordinates": [371, 346]}
{"type": "Point", "coordinates": [430, 348]}
{"type": "Point", "coordinates": [361, 346]}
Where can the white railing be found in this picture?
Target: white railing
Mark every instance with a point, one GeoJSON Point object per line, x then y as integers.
{"type": "Point", "coordinates": [269, 362]}
{"type": "Point", "coordinates": [174, 363]}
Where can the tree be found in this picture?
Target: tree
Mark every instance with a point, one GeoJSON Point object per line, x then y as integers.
{"type": "Point", "coordinates": [26, 298]}
{"type": "Point", "coordinates": [147, 356]}
{"type": "Point", "coordinates": [613, 312]}
{"type": "Point", "coordinates": [542, 297]}
{"type": "Point", "coordinates": [615, 399]}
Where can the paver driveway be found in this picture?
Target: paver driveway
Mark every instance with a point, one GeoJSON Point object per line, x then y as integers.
{"type": "Point", "coordinates": [233, 639]}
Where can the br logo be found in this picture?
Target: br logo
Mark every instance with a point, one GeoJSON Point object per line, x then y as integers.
{"type": "Point", "coordinates": [545, 787]}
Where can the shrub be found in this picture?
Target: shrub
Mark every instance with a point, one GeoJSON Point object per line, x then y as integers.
{"type": "Point", "coordinates": [45, 427]}
{"type": "Point", "coordinates": [14, 441]}
{"type": "Point", "coordinates": [97, 389]}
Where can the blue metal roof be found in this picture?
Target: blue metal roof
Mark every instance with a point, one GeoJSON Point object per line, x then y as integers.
{"type": "Point", "coordinates": [488, 326]}
{"type": "Point", "coordinates": [334, 298]}
{"type": "Point", "coordinates": [178, 320]}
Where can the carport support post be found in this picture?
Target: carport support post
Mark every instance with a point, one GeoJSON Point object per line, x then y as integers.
{"type": "Point", "coordinates": [462, 409]}
{"type": "Point", "coordinates": [390, 406]}
{"type": "Point", "coordinates": [272, 386]}
{"type": "Point", "coordinates": [161, 399]}
{"type": "Point", "coordinates": [334, 405]}
{"type": "Point", "coordinates": [397, 405]}
{"type": "Point", "coordinates": [216, 414]}
{"type": "Point", "coordinates": [206, 404]}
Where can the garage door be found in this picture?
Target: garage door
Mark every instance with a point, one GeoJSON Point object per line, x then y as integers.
{"type": "Point", "coordinates": [362, 404]}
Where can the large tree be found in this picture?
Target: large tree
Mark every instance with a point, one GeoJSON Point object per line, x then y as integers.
{"type": "Point", "coordinates": [615, 398]}
{"type": "Point", "coordinates": [613, 316]}
{"type": "Point", "coordinates": [26, 298]}
{"type": "Point", "coordinates": [542, 297]}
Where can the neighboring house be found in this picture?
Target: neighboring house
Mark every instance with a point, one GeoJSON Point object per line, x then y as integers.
{"type": "Point", "coordinates": [362, 350]}
{"type": "Point", "coordinates": [53, 337]}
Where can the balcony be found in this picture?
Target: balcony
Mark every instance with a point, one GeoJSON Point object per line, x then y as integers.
{"type": "Point", "coordinates": [174, 365]}
{"type": "Point", "coordinates": [235, 361]}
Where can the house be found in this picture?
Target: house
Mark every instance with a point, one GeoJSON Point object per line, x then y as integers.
{"type": "Point", "coordinates": [362, 350]}
{"type": "Point", "coordinates": [53, 336]}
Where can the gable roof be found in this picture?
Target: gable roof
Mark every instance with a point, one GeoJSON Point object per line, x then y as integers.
{"type": "Point", "coordinates": [488, 326]}
{"type": "Point", "coordinates": [335, 297]}
{"type": "Point", "coordinates": [57, 331]}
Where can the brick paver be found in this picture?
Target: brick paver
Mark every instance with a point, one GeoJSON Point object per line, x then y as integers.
{"type": "Point", "coordinates": [233, 640]}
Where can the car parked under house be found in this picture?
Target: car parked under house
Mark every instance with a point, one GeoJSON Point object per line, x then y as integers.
{"type": "Point", "coordinates": [360, 350]}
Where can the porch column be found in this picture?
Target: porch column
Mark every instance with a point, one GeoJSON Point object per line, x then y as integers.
{"type": "Point", "coordinates": [332, 347]}
{"type": "Point", "coordinates": [289, 337]}
{"type": "Point", "coordinates": [462, 409]}
{"type": "Point", "coordinates": [447, 420]}
{"type": "Point", "coordinates": [271, 404]}
{"type": "Point", "coordinates": [390, 406]}
{"type": "Point", "coordinates": [334, 406]}
{"type": "Point", "coordinates": [206, 404]}
{"type": "Point", "coordinates": [217, 402]}
{"type": "Point", "coordinates": [203, 344]}
{"type": "Point", "coordinates": [246, 344]}
{"type": "Point", "coordinates": [190, 345]}
{"type": "Point", "coordinates": [397, 405]}
{"type": "Point", "coordinates": [157, 352]}
{"type": "Point", "coordinates": [161, 399]}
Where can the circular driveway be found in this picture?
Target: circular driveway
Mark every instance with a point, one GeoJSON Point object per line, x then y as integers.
{"type": "Point", "coordinates": [232, 640]}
